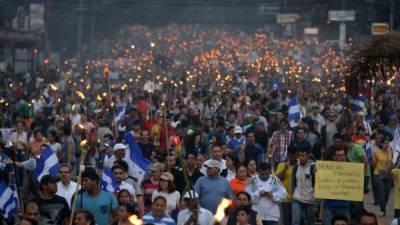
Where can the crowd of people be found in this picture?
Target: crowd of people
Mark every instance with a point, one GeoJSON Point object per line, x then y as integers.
{"type": "Point", "coordinates": [226, 95]}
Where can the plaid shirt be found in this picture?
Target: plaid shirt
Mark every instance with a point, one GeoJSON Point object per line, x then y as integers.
{"type": "Point", "coordinates": [281, 139]}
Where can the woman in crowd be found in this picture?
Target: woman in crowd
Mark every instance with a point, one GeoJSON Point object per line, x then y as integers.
{"type": "Point", "coordinates": [243, 201]}
{"type": "Point", "coordinates": [238, 184]}
{"type": "Point", "coordinates": [124, 212]}
{"type": "Point", "coordinates": [168, 191]}
{"type": "Point", "coordinates": [382, 161]}
{"type": "Point", "coordinates": [84, 217]}
{"type": "Point", "coordinates": [151, 185]}
{"type": "Point", "coordinates": [252, 168]}
{"type": "Point", "coordinates": [232, 162]}
{"type": "Point", "coordinates": [157, 214]}
{"type": "Point", "coordinates": [124, 197]}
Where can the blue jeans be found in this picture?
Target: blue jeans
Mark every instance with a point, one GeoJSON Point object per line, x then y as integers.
{"type": "Point", "coordinates": [302, 211]}
{"type": "Point", "coordinates": [286, 212]}
{"type": "Point", "coordinates": [384, 185]}
{"type": "Point", "coordinates": [330, 212]}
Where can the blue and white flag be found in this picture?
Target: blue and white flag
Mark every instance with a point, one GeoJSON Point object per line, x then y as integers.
{"type": "Point", "coordinates": [119, 113]}
{"type": "Point", "coordinates": [138, 164]}
{"type": "Point", "coordinates": [275, 85]}
{"type": "Point", "coordinates": [368, 151]}
{"type": "Point", "coordinates": [47, 164]}
{"type": "Point", "coordinates": [8, 201]}
{"type": "Point", "coordinates": [108, 182]}
{"type": "Point", "coordinates": [294, 112]}
{"type": "Point", "coordinates": [357, 103]}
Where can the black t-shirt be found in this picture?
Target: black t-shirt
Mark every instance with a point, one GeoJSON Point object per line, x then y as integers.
{"type": "Point", "coordinates": [53, 211]}
{"type": "Point", "coordinates": [262, 138]}
{"type": "Point", "coordinates": [180, 180]}
{"type": "Point", "coordinates": [147, 149]}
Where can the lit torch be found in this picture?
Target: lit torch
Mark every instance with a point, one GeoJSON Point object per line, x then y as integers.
{"type": "Point", "coordinates": [225, 203]}
{"type": "Point", "coordinates": [80, 94]}
{"type": "Point", "coordinates": [134, 219]}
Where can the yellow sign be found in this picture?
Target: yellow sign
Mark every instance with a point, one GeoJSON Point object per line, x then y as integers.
{"type": "Point", "coordinates": [339, 180]}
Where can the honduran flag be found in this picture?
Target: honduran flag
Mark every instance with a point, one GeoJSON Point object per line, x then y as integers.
{"type": "Point", "coordinates": [357, 103]}
{"type": "Point", "coordinates": [294, 112]}
{"type": "Point", "coordinates": [138, 164]}
{"type": "Point", "coordinates": [108, 182]}
{"type": "Point", "coordinates": [119, 113]}
{"type": "Point", "coordinates": [8, 201]}
{"type": "Point", "coordinates": [47, 164]}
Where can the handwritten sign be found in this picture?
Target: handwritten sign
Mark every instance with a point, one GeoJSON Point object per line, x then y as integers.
{"type": "Point", "coordinates": [339, 180]}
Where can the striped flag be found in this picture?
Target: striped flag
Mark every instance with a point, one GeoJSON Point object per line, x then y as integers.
{"type": "Point", "coordinates": [119, 113]}
{"type": "Point", "coordinates": [47, 164]}
{"type": "Point", "coordinates": [368, 150]}
{"type": "Point", "coordinates": [138, 164]}
{"type": "Point", "coordinates": [294, 112]}
{"type": "Point", "coordinates": [357, 103]}
{"type": "Point", "coordinates": [8, 201]}
{"type": "Point", "coordinates": [108, 182]}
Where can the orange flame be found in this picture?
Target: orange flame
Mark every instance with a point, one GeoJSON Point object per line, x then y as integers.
{"type": "Point", "coordinates": [225, 203]}
{"type": "Point", "coordinates": [134, 219]}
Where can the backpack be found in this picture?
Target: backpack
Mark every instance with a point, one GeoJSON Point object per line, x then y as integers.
{"type": "Point", "coordinates": [294, 180]}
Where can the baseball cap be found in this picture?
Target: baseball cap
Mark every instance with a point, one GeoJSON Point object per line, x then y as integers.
{"type": "Point", "coordinates": [260, 122]}
{"type": "Point", "coordinates": [157, 167]}
{"type": "Point", "coordinates": [109, 144]}
{"type": "Point", "coordinates": [237, 130]}
{"type": "Point", "coordinates": [192, 193]}
{"type": "Point", "coordinates": [119, 146]}
{"type": "Point", "coordinates": [213, 164]}
{"type": "Point", "coordinates": [167, 176]}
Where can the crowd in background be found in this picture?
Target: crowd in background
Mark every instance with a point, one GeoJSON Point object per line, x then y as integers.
{"type": "Point", "coordinates": [226, 94]}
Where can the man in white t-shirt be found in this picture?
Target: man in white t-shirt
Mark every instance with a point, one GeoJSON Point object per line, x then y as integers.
{"type": "Point", "coordinates": [119, 173]}
{"type": "Point", "coordinates": [66, 188]}
{"type": "Point", "coordinates": [194, 214]}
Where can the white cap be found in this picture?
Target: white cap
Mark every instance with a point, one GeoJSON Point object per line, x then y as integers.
{"type": "Point", "coordinates": [119, 146]}
{"type": "Point", "coordinates": [212, 163]}
{"type": "Point", "coordinates": [237, 130]}
{"type": "Point", "coordinates": [193, 193]}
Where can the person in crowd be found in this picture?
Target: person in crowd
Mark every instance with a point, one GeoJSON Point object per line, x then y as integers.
{"type": "Point", "coordinates": [244, 199]}
{"type": "Point", "coordinates": [31, 211]}
{"type": "Point", "coordinates": [252, 150]}
{"type": "Point", "coordinates": [212, 188]}
{"type": "Point", "coordinates": [261, 134]}
{"type": "Point", "coordinates": [284, 173]}
{"type": "Point", "coordinates": [243, 214]}
{"type": "Point", "coordinates": [238, 142]}
{"type": "Point", "coordinates": [304, 204]}
{"type": "Point", "coordinates": [119, 175]}
{"type": "Point", "coordinates": [66, 188]}
{"type": "Point", "coordinates": [382, 161]}
{"type": "Point", "coordinates": [266, 192]}
{"type": "Point", "coordinates": [157, 214]}
{"type": "Point", "coordinates": [329, 129]}
{"type": "Point", "coordinates": [124, 197]}
{"type": "Point", "coordinates": [339, 220]}
{"type": "Point", "coordinates": [103, 205]}
{"type": "Point", "coordinates": [252, 168]}
{"type": "Point", "coordinates": [194, 214]}
{"type": "Point", "coordinates": [280, 141]}
{"type": "Point", "coordinates": [239, 183]}
{"type": "Point", "coordinates": [152, 184]}
{"type": "Point", "coordinates": [118, 154]}
{"type": "Point", "coordinates": [145, 145]}
{"type": "Point", "coordinates": [192, 171]}
{"type": "Point", "coordinates": [396, 181]}
{"type": "Point", "coordinates": [334, 208]}
{"type": "Point", "coordinates": [68, 148]}
{"type": "Point", "coordinates": [368, 218]}
{"type": "Point", "coordinates": [166, 189]}
{"type": "Point", "coordinates": [53, 208]}
{"type": "Point", "coordinates": [124, 212]}
{"type": "Point", "coordinates": [216, 155]}
{"type": "Point", "coordinates": [84, 217]}
{"type": "Point", "coordinates": [54, 143]}
{"type": "Point", "coordinates": [37, 141]}
{"type": "Point", "coordinates": [232, 162]}
{"type": "Point", "coordinates": [357, 154]}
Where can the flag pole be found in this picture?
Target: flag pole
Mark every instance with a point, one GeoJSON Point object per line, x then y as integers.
{"type": "Point", "coordinates": [83, 145]}
{"type": "Point", "coordinates": [20, 202]}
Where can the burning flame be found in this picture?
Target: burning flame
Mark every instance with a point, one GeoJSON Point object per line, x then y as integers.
{"type": "Point", "coordinates": [134, 219]}
{"type": "Point", "coordinates": [225, 203]}
{"type": "Point", "coordinates": [80, 94]}
{"type": "Point", "coordinates": [53, 87]}
{"type": "Point", "coordinates": [83, 143]}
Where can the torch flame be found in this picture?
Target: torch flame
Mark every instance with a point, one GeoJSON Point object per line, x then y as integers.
{"type": "Point", "coordinates": [53, 87]}
{"type": "Point", "coordinates": [83, 143]}
{"type": "Point", "coordinates": [134, 219]}
{"type": "Point", "coordinates": [225, 203]}
{"type": "Point", "coordinates": [80, 94]}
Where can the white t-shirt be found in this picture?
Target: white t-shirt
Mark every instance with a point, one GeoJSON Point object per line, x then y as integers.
{"type": "Point", "coordinates": [205, 217]}
{"type": "Point", "coordinates": [172, 199]}
{"type": "Point", "coordinates": [128, 187]}
{"type": "Point", "coordinates": [66, 191]}
{"type": "Point", "coordinates": [395, 221]}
